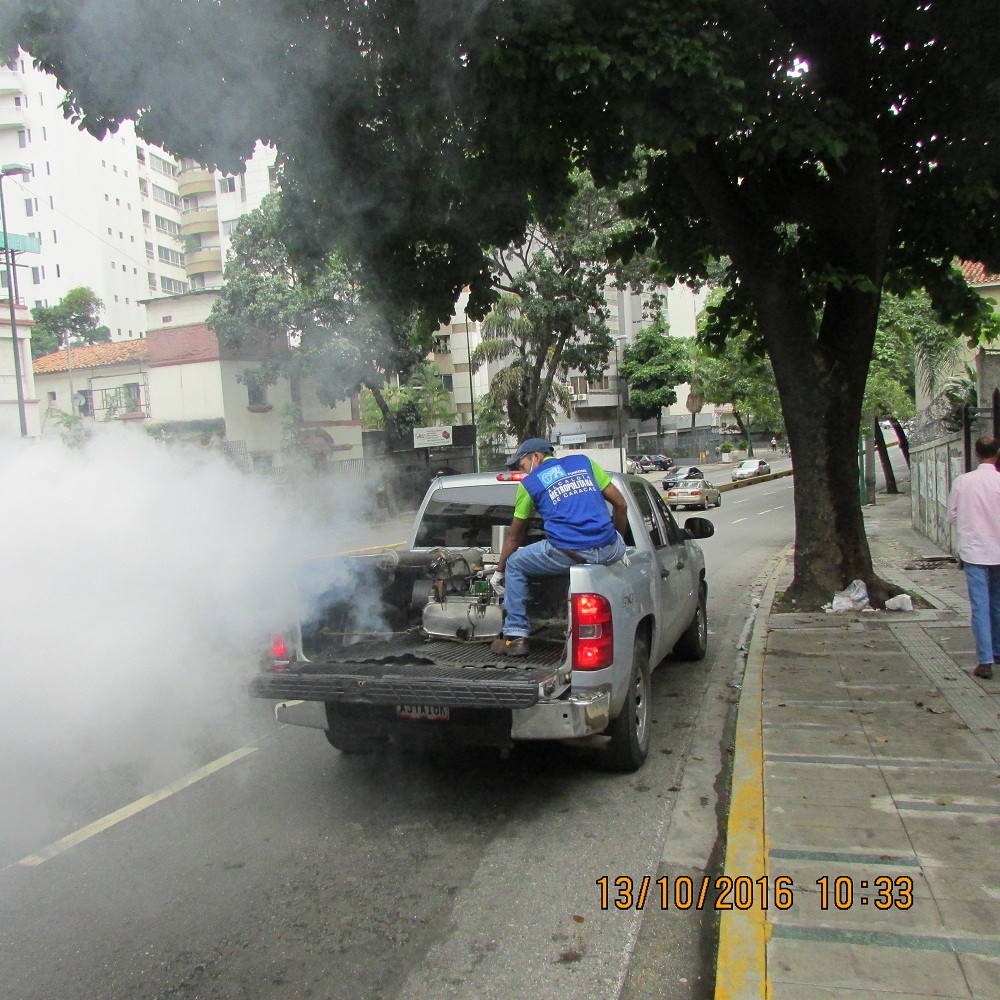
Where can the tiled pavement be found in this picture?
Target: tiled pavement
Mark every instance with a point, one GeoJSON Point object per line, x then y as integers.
{"type": "Point", "coordinates": [880, 787]}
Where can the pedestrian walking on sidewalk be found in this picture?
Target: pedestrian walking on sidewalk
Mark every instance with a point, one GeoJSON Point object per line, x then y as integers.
{"type": "Point", "coordinates": [774, 444]}
{"type": "Point", "coordinates": [974, 508]}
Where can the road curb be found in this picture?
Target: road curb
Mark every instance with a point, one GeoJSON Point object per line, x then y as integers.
{"type": "Point", "coordinates": [741, 969]}
{"type": "Point", "coordinates": [743, 483]}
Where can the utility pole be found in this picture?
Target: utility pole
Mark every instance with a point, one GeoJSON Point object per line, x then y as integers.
{"type": "Point", "coordinates": [8, 170]}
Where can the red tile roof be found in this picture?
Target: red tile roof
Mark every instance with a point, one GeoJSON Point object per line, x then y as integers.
{"type": "Point", "coordinates": [976, 274]}
{"type": "Point", "coordinates": [182, 344]}
{"type": "Point", "coordinates": [93, 356]}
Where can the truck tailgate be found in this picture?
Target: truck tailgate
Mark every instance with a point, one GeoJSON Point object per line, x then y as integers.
{"type": "Point", "coordinates": [411, 670]}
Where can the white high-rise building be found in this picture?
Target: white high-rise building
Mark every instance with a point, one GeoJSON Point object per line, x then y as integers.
{"type": "Point", "coordinates": [87, 202]}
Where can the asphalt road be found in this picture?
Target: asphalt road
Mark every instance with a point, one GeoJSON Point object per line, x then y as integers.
{"type": "Point", "coordinates": [257, 862]}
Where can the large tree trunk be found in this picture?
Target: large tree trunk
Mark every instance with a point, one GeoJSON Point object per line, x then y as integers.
{"type": "Point", "coordinates": [883, 455]}
{"type": "Point", "coordinates": [821, 379]}
{"type": "Point", "coordinates": [904, 442]}
{"type": "Point", "coordinates": [820, 372]}
{"type": "Point", "coordinates": [387, 421]}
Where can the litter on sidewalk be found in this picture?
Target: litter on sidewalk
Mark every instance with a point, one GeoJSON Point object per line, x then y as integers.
{"type": "Point", "coordinates": [854, 597]}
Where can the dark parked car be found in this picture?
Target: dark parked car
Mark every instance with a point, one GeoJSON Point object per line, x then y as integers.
{"type": "Point", "coordinates": [674, 476]}
{"type": "Point", "coordinates": [643, 463]}
{"type": "Point", "coordinates": [661, 462]}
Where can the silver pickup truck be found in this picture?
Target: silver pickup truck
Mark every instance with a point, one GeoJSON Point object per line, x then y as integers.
{"type": "Point", "coordinates": [396, 644]}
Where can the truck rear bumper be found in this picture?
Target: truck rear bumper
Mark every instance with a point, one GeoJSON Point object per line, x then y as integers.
{"type": "Point", "coordinates": [581, 714]}
{"type": "Point", "coordinates": [410, 684]}
{"type": "Point", "coordinates": [571, 718]}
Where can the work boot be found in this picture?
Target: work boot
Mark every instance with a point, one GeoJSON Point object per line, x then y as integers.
{"type": "Point", "coordinates": [515, 645]}
{"type": "Point", "coordinates": [984, 670]}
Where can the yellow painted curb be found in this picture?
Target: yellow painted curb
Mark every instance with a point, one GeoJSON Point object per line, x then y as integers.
{"type": "Point", "coordinates": [741, 971]}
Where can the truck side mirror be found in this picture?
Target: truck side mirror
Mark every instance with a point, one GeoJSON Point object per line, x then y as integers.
{"type": "Point", "coordinates": [699, 527]}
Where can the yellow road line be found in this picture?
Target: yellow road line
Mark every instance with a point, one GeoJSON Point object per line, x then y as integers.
{"type": "Point", "coordinates": [371, 548]}
{"type": "Point", "coordinates": [741, 972]}
{"type": "Point", "coordinates": [354, 552]}
{"type": "Point", "coordinates": [112, 819]}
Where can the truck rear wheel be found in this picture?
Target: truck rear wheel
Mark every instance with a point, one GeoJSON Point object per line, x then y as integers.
{"type": "Point", "coordinates": [630, 731]}
{"type": "Point", "coordinates": [348, 731]}
{"type": "Point", "coordinates": [693, 643]}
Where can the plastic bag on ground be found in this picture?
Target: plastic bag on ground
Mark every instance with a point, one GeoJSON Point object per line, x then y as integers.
{"type": "Point", "coordinates": [901, 602]}
{"type": "Point", "coordinates": [854, 597]}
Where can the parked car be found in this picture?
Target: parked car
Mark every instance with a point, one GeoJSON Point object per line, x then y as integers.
{"type": "Point", "coordinates": [674, 476]}
{"type": "Point", "coordinates": [693, 493]}
{"type": "Point", "coordinates": [751, 467]}
{"type": "Point", "coordinates": [643, 463]}
{"type": "Point", "coordinates": [661, 462]}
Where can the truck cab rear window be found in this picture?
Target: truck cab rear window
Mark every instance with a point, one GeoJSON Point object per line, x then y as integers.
{"type": "Point", "coordinates": [465, 516]}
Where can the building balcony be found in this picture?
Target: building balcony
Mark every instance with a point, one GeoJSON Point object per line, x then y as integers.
{"type": "Point", "coordinates": [197, 181]}
{"type": "Point", "coordinates": [10, 81]}
{"type": "Point", "coordinates": [11, 118]}
{"type": "Point", "coordinates": [594, 399]}
{"type": "Point", "coordinates": [199, 221]}
{"type": "Point", "coordinates": [207, 260]}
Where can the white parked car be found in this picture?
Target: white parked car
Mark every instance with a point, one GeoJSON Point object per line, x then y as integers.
{"type": "Point", "coordinates": [751, 467]}
{"type": "Point", "coordinates": [693, 493]}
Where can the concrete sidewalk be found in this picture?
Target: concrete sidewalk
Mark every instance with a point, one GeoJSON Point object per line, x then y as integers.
{"type": "Point", "coordinates": [866, 779]}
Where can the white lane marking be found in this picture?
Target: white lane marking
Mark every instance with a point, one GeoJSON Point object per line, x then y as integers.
{"type": "Point", "coordinates": [737, 521]}
{"type": "Point", "coordinates": [744, 500]}
{"type": "Point", "coordinates": [112, 819]}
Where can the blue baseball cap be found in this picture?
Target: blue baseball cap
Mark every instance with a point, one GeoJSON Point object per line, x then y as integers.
{"type": "Point", "coordinates": [529, 447]}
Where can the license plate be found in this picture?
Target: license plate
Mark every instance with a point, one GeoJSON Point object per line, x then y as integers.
{"type": "Point", "coordinates": [433, 713]}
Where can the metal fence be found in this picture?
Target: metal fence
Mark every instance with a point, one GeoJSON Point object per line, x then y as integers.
{"type": "Point", "coordinates": [933, 468]}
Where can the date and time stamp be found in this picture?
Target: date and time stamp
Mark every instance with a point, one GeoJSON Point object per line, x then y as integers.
{"type": "Point", "coordinates": [724, 892]}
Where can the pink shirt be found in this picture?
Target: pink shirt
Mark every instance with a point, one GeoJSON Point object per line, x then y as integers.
{"type": "Point", "coordinates": [974, 507]}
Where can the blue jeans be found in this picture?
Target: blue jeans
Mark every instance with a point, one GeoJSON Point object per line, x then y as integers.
{"type": "Point", "coordinates": [984, 596]}
{"type": "Point", "coordinates": [543, 559]}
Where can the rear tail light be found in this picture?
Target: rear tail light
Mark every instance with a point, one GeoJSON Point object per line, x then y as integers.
{"type": "Point", "coordinates": [696, 493]}
{"type": "Point", "coordinates": [593, 632]}
{"type": "Point", "coordinates": [280, 650]}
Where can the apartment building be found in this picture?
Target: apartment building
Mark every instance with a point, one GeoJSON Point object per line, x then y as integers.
{"type": "Point", "coordinates": [83, 199]}
{"type": "Point", "coordinates": [211, 205]}
{"type": "Point", "coordinates": [119, 215]}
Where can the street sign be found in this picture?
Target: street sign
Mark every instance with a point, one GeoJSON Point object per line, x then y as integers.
{"type": "Point", "coordinates": [432, 437]}
{"type": "Point", "coordinates": [566, 439]}
{"type": "Point", "coordinates": [21, 244]}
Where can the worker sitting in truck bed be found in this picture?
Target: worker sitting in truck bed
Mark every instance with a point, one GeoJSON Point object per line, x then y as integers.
{"type": "Point", "coordinates": [569, 494]}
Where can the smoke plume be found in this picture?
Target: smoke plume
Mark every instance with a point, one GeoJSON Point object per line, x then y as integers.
{"type": "Point", "coordinates": [140, 582]}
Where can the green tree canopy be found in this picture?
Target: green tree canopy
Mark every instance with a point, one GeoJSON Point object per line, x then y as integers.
{"type": "Point", "coordinates": [551, 312]}
{"type": "Point", "coordinates": [820, 147]}
{"type": "Point", "coordinates": [734, 369]}
{"type": "Point", "coordinates": [423, 401]}
{"type": "Point", "coordinates": [75, 318]}
{"type": "Point", "coordinates": [316, 322]}
{"type": "Point", "coordinates": [653, 366]}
